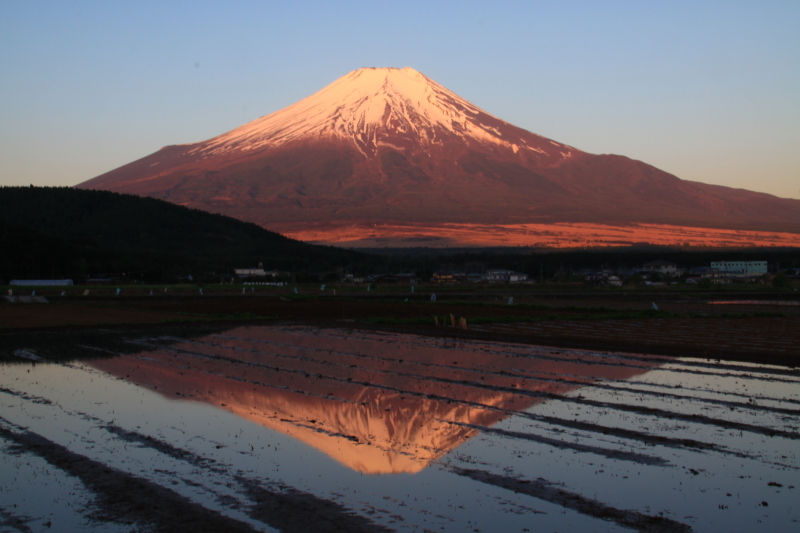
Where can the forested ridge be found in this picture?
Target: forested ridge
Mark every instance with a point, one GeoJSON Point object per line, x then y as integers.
{"type": "Point", "coordinates": [66, 232]}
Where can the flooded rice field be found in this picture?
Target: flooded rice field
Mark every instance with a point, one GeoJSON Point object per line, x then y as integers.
{"type": "Point", "coordinates": [297, 428]}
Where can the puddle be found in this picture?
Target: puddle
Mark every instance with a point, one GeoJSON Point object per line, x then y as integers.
{"type": "Point", "coordinates": [295, 428]}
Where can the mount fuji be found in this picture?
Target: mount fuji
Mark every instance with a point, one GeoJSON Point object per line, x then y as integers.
{"type": "Point", "coordinates": [386, 156]}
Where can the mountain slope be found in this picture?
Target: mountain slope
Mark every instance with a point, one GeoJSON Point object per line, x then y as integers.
{"type": "Point", "coordinates": [391, 146]}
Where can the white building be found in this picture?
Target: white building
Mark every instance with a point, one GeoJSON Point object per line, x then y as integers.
{"type": "Point", "coordinates": [42, 282]}
{"type": "Point", "coordinates": [740, 268]}
{"type": "Point", "coordinates": [250, 272]}
{"type": "Point", "coordinates": [504, 276]}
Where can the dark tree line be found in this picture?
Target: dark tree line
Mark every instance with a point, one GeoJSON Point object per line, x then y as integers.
{"type": "Point", "coordinates": [63, 232]}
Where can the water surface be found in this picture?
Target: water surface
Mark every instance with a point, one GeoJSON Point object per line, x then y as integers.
{"type": "Point", "coordinates": [296, 428]}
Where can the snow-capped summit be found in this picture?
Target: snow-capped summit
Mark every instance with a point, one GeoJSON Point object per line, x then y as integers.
{"type": "Point", "coordinates": [388, 147]}
{"type": "Point", "coordinates": [374, 106]}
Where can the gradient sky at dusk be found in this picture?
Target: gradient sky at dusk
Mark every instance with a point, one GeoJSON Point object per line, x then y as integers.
{"type": "Point", "coordinates": [709, 91]}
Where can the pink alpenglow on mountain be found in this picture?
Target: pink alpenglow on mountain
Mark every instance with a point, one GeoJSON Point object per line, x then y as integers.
{"type": "Point", "coordinates": [386, 156]}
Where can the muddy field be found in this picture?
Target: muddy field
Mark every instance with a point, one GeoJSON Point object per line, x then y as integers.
{"type": "Point", "coordinates": [749, 326]}
{"type": "Point", "coordinates": [292, 427]}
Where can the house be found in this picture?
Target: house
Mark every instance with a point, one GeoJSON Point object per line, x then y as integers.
{"type": "Point", "coordinates": [257, 272]}
{"type": "Point", "coordinates": [497, 276]}
{"type": "Point", "coordinates": [661, 266]}
{"type": "Point", "coordinates": [517, 277]}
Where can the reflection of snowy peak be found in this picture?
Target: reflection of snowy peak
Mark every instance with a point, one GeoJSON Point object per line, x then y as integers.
{"type": "Point", "coordinates": [372, 106]}
{"type": "Point", "coordinates": [374, 414]}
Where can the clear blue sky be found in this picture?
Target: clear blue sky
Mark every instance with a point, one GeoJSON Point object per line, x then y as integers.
{"type": "Point", "coordinates": [709, 91]}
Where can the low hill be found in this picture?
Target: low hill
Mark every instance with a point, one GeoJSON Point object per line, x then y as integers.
{"type": "Point", "coordinates": [72, 233]}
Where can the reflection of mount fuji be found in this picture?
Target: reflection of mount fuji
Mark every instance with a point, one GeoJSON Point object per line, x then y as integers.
{"type": "Point", "coordinates": [376, 403]}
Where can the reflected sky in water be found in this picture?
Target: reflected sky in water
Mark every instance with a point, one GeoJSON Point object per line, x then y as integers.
{"type": "Point", "coordinates": [408, 432]}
